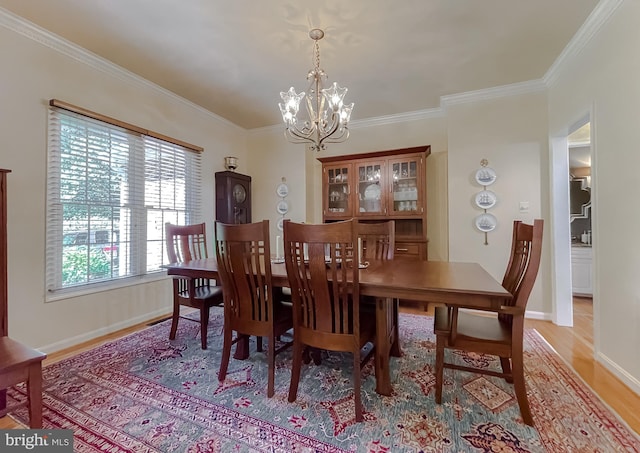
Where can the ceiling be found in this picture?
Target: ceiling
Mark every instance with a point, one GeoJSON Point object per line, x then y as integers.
{"type": "Point", "coordinates": [234, 57]}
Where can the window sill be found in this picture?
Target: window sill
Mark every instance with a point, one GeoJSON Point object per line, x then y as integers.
{"type": "Point", "coordinates": [105, 286]}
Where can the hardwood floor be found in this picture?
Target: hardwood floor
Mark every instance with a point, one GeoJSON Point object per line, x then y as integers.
{"type": "Point", "coordinates": [574, 344]}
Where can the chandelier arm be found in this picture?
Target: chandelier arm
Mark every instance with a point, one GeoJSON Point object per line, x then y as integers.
{"type": "Point", "coordinates": [335, 124]}
{"type": "Point", "coordinates": [297, 136]}
{"type": "Point", "coordinates": [338, 138]}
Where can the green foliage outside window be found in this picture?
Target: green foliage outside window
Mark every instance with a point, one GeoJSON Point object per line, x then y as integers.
{"type": "Point", "coordinates": [78, 266]}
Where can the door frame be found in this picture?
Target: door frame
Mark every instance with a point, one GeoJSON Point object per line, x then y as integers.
{"type": "Point", "coordinates": [562, 295]}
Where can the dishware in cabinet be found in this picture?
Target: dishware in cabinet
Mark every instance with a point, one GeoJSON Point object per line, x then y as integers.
{"type": "Point", "coordinates": [337, 184]}
{"type": "Point", "coordinates": [371, 199]}
{"type": "Point", "coordinates": [407, 191]}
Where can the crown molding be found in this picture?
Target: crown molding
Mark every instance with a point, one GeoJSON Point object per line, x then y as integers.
{"type": "Point", "coordinates": [515, 89]}
{"type": "Point", "coordinates": [417, 115]}
{"type": "Point", "coordinates": [38, 34]}
{"type": "Point", "coordinates": [405, 117]}
{"type": "Point", "coordinates": [598, 17]}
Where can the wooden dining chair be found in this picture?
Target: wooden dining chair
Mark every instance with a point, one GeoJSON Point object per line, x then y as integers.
{"type": "Point", "coordinates": [501, 334]}
{"type": "Point", "coordinates": [244, 266]}
{"type": "Point", "coordinates": [379, 244]}
{"type": "Point", "coordinates": [185, 243]}
{"type": "Point", "coordinates": [326, 296]}
{"type": "Point", "coordinates": [378, 240]}
{"type": "Point", "coordinates": [20, 363]}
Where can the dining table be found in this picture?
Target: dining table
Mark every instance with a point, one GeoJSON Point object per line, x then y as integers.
{"type": "Point", "coordinates": [458, 284]}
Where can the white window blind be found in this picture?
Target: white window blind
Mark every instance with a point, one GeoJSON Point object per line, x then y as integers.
{"type": "Point", "coordinates": [110, 191]}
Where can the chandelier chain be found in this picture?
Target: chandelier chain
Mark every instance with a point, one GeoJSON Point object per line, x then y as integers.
{"type": "Point", "coordinates": [317, 54]}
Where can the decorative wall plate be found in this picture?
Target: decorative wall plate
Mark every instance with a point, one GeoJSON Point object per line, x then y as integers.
{"type": "Point", "coordinates": [372, 192]}
{"type": "Point", "coordinates": [280, 223]}
{"type": "Point", "coordinates": [282, 190]}
{"type": "Point", "coordinates": [282, 207]}
{"type": "Point", "coordinates": [486, 176]}
{"type": "Point", "coordinates": [486, 199]}
{"type": "Point", "coordinates": [486, 222]}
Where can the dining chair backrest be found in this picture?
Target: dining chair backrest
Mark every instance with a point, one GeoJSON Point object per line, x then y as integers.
{"type": "Point", "coordinates": [378, 240]}
{"type": "Point", "coordinates": [186, 242]}
{"type": "Point", "coordinates": [244, 266]}
{"type": "Point", "coordinates": [322, 268]}
{"type": "Point", "coordinates": [524, 262]}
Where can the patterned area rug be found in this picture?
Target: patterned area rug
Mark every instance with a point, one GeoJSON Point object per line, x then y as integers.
{"type": "Point", "coordinates": [144, 393]}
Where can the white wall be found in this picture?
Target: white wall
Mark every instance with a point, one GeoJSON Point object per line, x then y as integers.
{"type": "Point", "coordinates": [511, 133]}
{"type": "Point", "coordinates": [605, 76]}
{"type": "Point", "coordinates": [32, 73]}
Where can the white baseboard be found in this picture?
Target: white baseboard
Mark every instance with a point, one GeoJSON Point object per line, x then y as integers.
{"type": "Point", "coordinates": [620, 373]}
{"type": "Point", "coordinates": [541, 315]}
{"type": "Point", "coordinates": [73, 341]}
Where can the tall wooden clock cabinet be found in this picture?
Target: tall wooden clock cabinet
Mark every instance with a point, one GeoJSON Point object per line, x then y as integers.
{"type": "Point", "coordinates": [233, 197]}
{"type": "Point", "coordinates": [3, 253]}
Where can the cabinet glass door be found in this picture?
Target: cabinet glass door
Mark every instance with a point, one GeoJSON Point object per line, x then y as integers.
{"type": "Point", "coordinates": [406, 192]}
{"type": "Point", "coordinates": [338, 191]}
{"type": "Point", "coordinates": [371, 195]}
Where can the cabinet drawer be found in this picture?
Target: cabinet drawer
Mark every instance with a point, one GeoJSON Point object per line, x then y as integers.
{"type": "Point", "coordinates": [407, 250]}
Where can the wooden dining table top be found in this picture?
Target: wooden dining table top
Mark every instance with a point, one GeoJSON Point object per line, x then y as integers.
{"type": "Point", "coordinates": [453, 283]}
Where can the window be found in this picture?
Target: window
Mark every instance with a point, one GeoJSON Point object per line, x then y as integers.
{"type": "Point", "coordinates": [110, 190]}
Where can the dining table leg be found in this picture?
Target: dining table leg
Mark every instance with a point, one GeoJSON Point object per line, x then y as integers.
{"type": "Point", "coordinates": [242, 348]}
{"type": "Point", "coordinates": [395, 344]}
{"type": "Point", "coordinates": [386, 329]}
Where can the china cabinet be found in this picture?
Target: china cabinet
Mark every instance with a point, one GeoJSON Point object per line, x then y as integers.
{"type": "Point", "coordinates": [378, 186]}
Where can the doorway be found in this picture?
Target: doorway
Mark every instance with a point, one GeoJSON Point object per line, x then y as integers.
{"type": "Point", "coordinates": [580, 212]}
{"type": "Point", "coordinates": [579, 148]}
{"type": "Point", "coordinates": [572, 156]}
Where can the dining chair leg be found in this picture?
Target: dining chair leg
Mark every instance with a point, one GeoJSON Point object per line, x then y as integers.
{"type": "Point", "coordinates": [174, 320]}
{"type": "Point", "coordinates": [295, 370]}
{"type": "Point", "coordinates": [506, 369]}
{"type": "Point", "coordinates": [271, 359]}
{"type": "Point", "coordinates": [259, 344]}
{"type": "Point", "coordinates": [356, 387]}
{"type": "Point", "coordinates": [227, 340]}
{"type": "Point", "coordinates": [34, 389]}
{"type": "Point", "coordinates": [204, 325]}
{"type": "Point", "coordinates": [520, 386]}
{"type": "Point", "coordinates": [439, 367]}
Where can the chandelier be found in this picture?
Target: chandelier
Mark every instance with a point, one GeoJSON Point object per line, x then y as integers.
{"type": "Point", "coordinates": [328, 119]}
